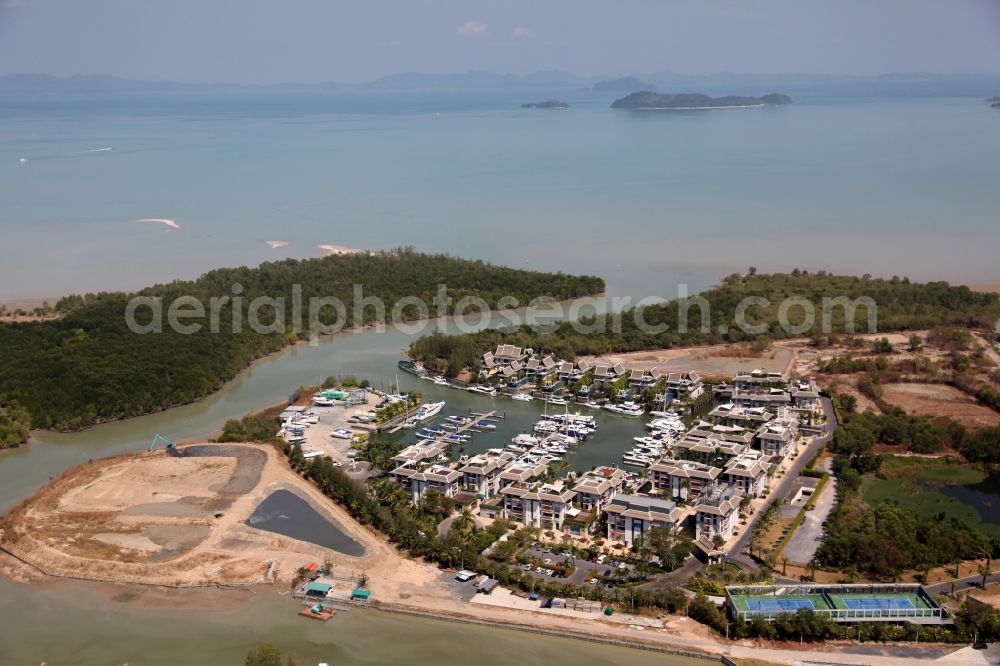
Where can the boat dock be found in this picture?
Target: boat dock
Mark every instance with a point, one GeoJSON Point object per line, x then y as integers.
{"type": "Point", "coordinates": [493, 416]}
{"type": "Point", "coordinates": [469, 426]}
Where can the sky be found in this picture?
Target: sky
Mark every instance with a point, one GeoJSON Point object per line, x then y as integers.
{"type": "Point", "coordinates": [272, 41]}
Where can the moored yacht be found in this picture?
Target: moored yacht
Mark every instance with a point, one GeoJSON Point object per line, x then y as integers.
{"type": "Point", "coordinates": [428, 410]}
{"type": "Point", "coordinates": [627, 408]}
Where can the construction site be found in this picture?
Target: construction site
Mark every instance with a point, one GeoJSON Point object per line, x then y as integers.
{"type": "Point", "coordinates": [201, 514]}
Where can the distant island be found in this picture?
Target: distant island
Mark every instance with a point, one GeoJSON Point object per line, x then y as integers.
{"type": "Point", "coordinates": [628, 83]}
{"type": "Point", "coordinates": [548, 104]}
{"type": "Point", "coordinates": [994, 102]}
{"type": "Point", "coordinates": [652, 100]}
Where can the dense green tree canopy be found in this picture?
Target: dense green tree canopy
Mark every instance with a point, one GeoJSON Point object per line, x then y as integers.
{"type": "Point", "coordinates": [714, 317]}
{"type": "Point", "coordinates": [14, 423]}
{"type": "Point", "coordinates": [90, 367]}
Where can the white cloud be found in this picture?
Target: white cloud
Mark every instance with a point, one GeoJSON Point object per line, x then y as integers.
{"type": "Point", "coordinates": [522, 34]}
{"type": "Point", "coordinates": [472, 29]}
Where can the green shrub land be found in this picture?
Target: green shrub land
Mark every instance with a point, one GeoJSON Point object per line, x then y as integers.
{"type": "Point", "coordinates": [88, 367]}
{"type": "Point", "coordinates": [886, 520]}
{"type": "Point", "coordinates": [901, 305]}
{"type": "Point", "coordinates": [14, 424]}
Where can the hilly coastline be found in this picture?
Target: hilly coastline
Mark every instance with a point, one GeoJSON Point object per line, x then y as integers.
{"type": "Point", "coordinates": [652, 100]}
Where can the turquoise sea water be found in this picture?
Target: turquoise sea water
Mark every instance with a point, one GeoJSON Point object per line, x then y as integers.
{"type": "Point", "coordinates": [645, 199]}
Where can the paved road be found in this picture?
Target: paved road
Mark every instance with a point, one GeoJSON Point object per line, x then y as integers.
{"type": "Point", "coordinates": [737, 551]}
{"type": "Point", "coordinates": [963, 584]}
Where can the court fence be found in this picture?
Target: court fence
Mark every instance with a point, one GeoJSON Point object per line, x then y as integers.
{"type": "Point", "coordinates": [841, 603]}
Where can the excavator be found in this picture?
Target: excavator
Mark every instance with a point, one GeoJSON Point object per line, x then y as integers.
{"type": "Point", "coordinates": [169, 446]}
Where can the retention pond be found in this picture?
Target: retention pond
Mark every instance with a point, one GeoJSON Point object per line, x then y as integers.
{"type": "Point", "coordinates": [287, 514]}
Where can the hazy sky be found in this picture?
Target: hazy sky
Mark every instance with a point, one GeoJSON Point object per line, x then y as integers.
{"type": "Point", "coordinates": [264, 41]}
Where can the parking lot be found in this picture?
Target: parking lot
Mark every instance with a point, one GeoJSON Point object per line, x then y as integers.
{"type": "Point", "coordinates": [584, 569]}
{"type": "Point", "coordinates": [319, 422]}
{"type": "Point", "coordinates": [809, 535]}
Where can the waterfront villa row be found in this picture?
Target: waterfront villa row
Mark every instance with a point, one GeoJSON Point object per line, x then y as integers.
{"type": "Point", "coordinates": [770, 391]}
{"type": "Point", "coordinates": [698, 479]}
{"type": "Point", "coordinates": [575, 505]}
{"type": "Point", "coordinates": [517, 366]}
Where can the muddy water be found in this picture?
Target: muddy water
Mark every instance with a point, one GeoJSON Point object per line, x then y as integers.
{"type": "Point", "coordinates": [76, 626]}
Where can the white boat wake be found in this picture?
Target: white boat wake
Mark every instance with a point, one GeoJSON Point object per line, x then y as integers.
{"type": "Point", "coordinates": [162, 220]}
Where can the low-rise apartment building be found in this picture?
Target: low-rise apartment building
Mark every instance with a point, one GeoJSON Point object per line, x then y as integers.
{"type": "Point", "coordinates": [481, 473]}
{"type": "Point", "coordinates": [541, 505]}
{"type": "Point", "coordinates": [747, 473]}
{"type": "Point", "coordinates": [682, 479]}
{"type": "Point", "coordinates": [716, 513]}
{"type": "Point", "coordinates": [418, 480]}
{"type": "Point", "coordinates": [631, 516]}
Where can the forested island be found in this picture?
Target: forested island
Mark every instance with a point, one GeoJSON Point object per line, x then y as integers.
{"type": "Point", "coordinates": [88, 366]}
{"type": "Point", "coordinates": [902, 305]}
{"type": "Point", "coordinates": [548, 104]}
{"type": "Point", "coordinates": [651, 100]}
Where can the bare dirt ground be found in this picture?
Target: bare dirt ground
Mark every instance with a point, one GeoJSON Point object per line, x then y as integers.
{"type": "Point", "coordinates": [173, 521]}
{"type": "Point", "coordinates": [708, 360]}
{"type": "Point", "coordinates": [941, 400]}
{"type": "Point", "coordinates": [849, 384]}
{"type": "Point", "coordinates": [991, 595]}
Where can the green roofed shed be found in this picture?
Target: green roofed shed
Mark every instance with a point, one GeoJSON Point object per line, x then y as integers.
{"type": "Point", "coordinates": [318, 589]}
{"type": "Point", "coordinates": [361, 595]}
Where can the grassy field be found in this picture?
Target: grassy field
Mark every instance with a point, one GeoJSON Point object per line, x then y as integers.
{"type": "Point", "coordinates": [934, 470]}
{"type": "Point", "coordinates": [910, 482]}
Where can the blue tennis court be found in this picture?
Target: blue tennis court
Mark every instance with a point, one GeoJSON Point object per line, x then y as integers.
{"type": "Point", "coordinates": [778, 605]}
{"type": "Point", "coordinates": [879, 603]}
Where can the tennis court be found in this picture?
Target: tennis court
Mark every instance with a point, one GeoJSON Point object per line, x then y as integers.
{"type": "Point", "coordinates": [778, 605]}
{"type": "Point", "coordinates": [842, 603]}
{"type": "Point", "coordinates": [878, 603]}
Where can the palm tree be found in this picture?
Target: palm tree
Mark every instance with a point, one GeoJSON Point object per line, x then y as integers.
{"type": "Point", "coordinates": [985, 573]}
{"type": "Point", "coordinates": [465, 522]}
{"type": "Point", "coordinates": [754, 541]}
